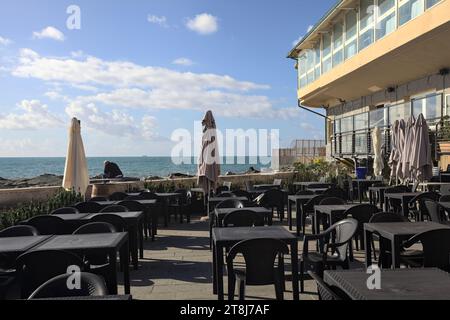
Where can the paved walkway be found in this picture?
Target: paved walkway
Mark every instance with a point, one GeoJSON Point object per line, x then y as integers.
{"type": "Point", "coordinates": [178, 267]}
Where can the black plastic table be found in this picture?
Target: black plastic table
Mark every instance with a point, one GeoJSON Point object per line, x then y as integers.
{"type": "Point", "coordinates": [403, 197]}
{"type": "Point", "coordinates": [165, 200]}
{"type": "Point", "coordinates": [399, 284]}
{"type": "Point", "coordinates": [365, 183]}
{"type": "Point", "coordinates": [135, 227]}
{"type": "Point", "coordinates": [298, 200]}
{"type": "Point", "coordinates": [151, 214]}
{"type": "Point", "coordinates": [15, 246]}
{"type": "Point", "coordinates": [330, 211]}
{"type": "Point", "coordinates": [377, 193]}
{"type": "Point", "coordinates": [305, 185]}
{"type": "Point", "coordinates": [108, 243]}
{"type": "Point", "coordinates": [125, 297]}
{"type": "Point", "coordinates": [219, 214]}
{"type": "Point", "coordinates": [227, 237]}
{"type": "Point", "coordinates": [395, 233]}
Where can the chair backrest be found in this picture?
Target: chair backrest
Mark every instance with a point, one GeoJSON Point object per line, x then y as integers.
{"type": "Point", "coordinates": [149, 196]}
{"type": "Point", "coordinates": [309, 206]}
{"type": "Point", "coordinates": [243, 218]}
{"type": "Point", "coordinates": [90, 285]}
{"type": "Point", "coordinates": [230, 203]}
{"type": "Point", "coordinates": [242, 193]}
{"type": "Point", "coordinates": [66, 210]}
{"type": "Point", "coordinates": [132, 205]}
{"type": "Point", "coordinates": [445, 189]}
{"type": "Point", "coordinates": [114, 208]}
{"type": "Point", "coordinates": [118, 196]}
{"type": "Point", "coordinates": [47, 225]}
{"type": "Point", "coordinates": [184, 196]}
{"type": "Point", "coordinates": [227, 184]}
{"type": "Point", "coordinates": [436, 248]}
{"type": "Point", "coordinates": [98, 199]}
{"type": "Point", "coordinates": [225, 194]}
{"type": "Point", "coordinates": [277, 182]}
{"type": "Point", "coordinates": [273, 198]}
{"type": "Point", "coordinates": [19, 231]}
{"type": "Point", "coordinates": [134, 198]}
{"type": "Point", "coordinates": [445, 198]}
{"type": "Point", "coordinates": [362, 213]}
{"type": "Point", "coordinates": [222, 189]}
{"type": "Point", "coordinates": [419, 202]}
{"type": "Point", "coordinates": [259, 256]}
{"type": "Point", "coordinates": [435, 210]}
{"type": "Point", "coordinates": [336, 192]}
{"type": "Point", "coordinates": [324, 291]}
{"type": "Point", "coordinates": [398, 189]}
{"type": "Point", "coordinates": [36, 267]}
{"type": "Point", "coordinates": [95, 227]}
{"type": "Point", "coordinates": [332, 201]}
{"type": "Point", "coordinates": [318, 186]}
{"type": "Point", "coordinates": [387, 217]}
{"type": "Point", "coordinates": [305, 193]}
{"type": "Point", "coordinates": [88, 207]}
{"type": "Point", "coordinates": [118, 222]}
{"type": "Point", "coordinates": [343, 232]}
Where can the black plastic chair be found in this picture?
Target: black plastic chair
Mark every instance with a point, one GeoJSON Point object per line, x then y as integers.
{"type": "Point", "coordinates": [305, 193]}
{"type": "Point", "coordinates": [332, 201]}
{"type": "Point", "coordinates": [88, 207]}
{"type": "Point", "coordinates": [99, 264]}
{"type": "Point", "coordinates": [98, 199]}
{"type": "Point", "coordinates": [361, 213]}
{"type": "Point", "coordinates": [222, 189]}
{"type": "Point", "coordinates": [230, 204]}
{"type": "Point", "coordinates": [326, 292]}
{"type": "Point", "coordinates": [436, 212]}
{"type": "Point", "coordinates": [19, 231]}
{"type": "Point", "coordinates": [132, 205]}
{"type": "Point", "coordinates": [34, 268]}
{"type": "Point", "coordinates": [226, 194]}
{"type": "Point", "coordinates": [114, 208]}
{"type": "Point", "coordinates": [118, 222]}
{"type": "Point", "coordinates": [66, 210]}
{"type": "Point", "coordinates": [118, 196]}
{"type": "Point", "coordinates": [259, 256]}
{"type": "Point", "coordinates": [91, 286]}
{"type": "Point", "coordinates": [243, 218]}
{"type": "Point", "coordinates": [396, 204]}
{"type": "Point", "coordinates": [149, 196]}
{"type": "Point", "coordinates": [444, 198]}
{"type": "Point", "coordinates": [276, 200]}
{"type": "Point", "coordinates": [47, 225]}
{"type": "Point", "coordinates": [242, 193]}
{"type": "Point", "coordinates": [336, 193]}
{"type": "Point", "coordinates": [134, 198]}
{"type": "Point", "coordinates": [436, 249]}
{"type": "Point", "coordinates": [307, 209]}
{"type": "Point", "coordinates": [417, 205]}
{"type": "Point", "coordinates": [333, 249]}
{"type": "Point", "coordinates": [181, 205]}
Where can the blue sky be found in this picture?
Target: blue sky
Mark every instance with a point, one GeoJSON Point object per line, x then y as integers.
{"type": "Point", "coordinates": [138, 70]}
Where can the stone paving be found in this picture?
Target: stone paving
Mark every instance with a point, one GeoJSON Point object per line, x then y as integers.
{"type": "Point", "coordinates": [178, 267]}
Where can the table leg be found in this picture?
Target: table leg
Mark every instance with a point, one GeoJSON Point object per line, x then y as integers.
{"type": "Point", "coordinates": [112, 281]}
{"type": "Point", "coordinates": [219, 268]}
{"type": "Point", "coordinates": [368, 247]}
{"type": "Point", "coordinates": [396, 253]}
{"type": "Point", "coordinates": [134, 246]}
{"type": "Point", "coordinates": [405, 208]}
{"type": "Point", "coordinates": [359, 192]}
{"type": "Point", "coordinates": [141, 239]}
{"type": "Point", "coordinates": [214, 268]}
{"type": "Point", "coordinates": [125, 261]}
{"type": "Point", "coordinates": [294, 264]}
{"type": "Point", "coordinates": [298, 218]}
{"type": "Point", "coordinates": [289, 208]}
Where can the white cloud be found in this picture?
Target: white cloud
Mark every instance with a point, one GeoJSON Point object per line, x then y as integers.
{"type": "Point", "coordinates": [5, 41]}
{"type": "Point", "coordinates": [34, 115]}
{"type": "Point", "coordinates": [203, 24]}
{"type": "Point", "coordinates": [115, 123]}
{"type": "Point", "coordinates": [49, 33]}
{"type": "Point", "coordinates": [159, 20]}
{"type": "Point", "coordinates": [128, 85]}
{"type": "Point", "coordinates": [77, 54]}
{"type": "Point", "coordinates": [183, 62]}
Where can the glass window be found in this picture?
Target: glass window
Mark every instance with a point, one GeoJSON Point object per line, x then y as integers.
{"type": "Point", "coordinates": [337, 57]}
{"type": "Point", "coordinates": [386, 25]}
{"type": "Point", "coordinates": [366, 39]}
{"type": "Point", "coordinates": [347, 124]}
{"type": "Point", "coordinates": [326, 45]}
{"type": "Point", "coordinates": [366, 13]}
{"type": "Point", "coordinates": [361, 143]}
{"type": "Point", "coordinates": [430, 106]}
{"type": "Point", "coordinates": [338, 34]}
{"type": "Point", "coordinates": [310, 59]}
{"type": "Point", "coordinates": [326, 65]}
{"type": "Point", "coordinates": [379, 118]}
{"type": "Point", "coordinates": [337, 126]}
{"type": "Point", "coordinates": [347, 142]}
{"type": "Point", "coordinates": [361, 121]}
{"type": "Point", "coordinates": [351, 27]}
{"type": "Point", "coordinates": [317, 70]}
{"type": "Point", "coordinates": [431, 3]}
{"type": "Point", "coordinates": [399, 111]}
{"type": "Point", "coordinates": [384, 6]}
{"type": "Point", "coordinates": [351, 49]}
{"type": "Point", "coordinates": [409, 9]}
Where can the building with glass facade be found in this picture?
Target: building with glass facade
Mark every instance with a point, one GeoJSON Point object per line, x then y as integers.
{"type": "Point", "coordinates": [369, 63]}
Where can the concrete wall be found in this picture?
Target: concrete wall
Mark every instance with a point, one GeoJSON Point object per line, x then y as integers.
{"type": "Point", "coordinates": [14, 197]}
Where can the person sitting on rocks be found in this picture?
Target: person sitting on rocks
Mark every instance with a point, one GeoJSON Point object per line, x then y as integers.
{"type": "Point", "coordinates": [112, 170]}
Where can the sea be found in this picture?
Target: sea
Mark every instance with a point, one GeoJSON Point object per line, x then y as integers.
{"type": "Point", "coordinates": [136, 167]}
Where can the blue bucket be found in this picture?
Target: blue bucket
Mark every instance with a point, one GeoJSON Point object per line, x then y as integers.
{"type": "Point", "coordinates": [361, 173]}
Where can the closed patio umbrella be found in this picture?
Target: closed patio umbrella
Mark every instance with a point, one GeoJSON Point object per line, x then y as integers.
{"type": "Point", "coordinates": [378, 164]}
{"type": "Point", "coordinates": [76, 176]}
{"type": "Point", "coordinates": [393, 159]}
{"type": "Point", "coordinates": [400, 149]}
{"type": "Point", "coordinates": [209, 160]}
{"type": "Point", "coordinates": [408, 172]}
{"type": "Point", "coordinates": [422, 162]}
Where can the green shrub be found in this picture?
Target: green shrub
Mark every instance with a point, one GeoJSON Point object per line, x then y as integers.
{"type": "Point", "coordinates": [12, 216]}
